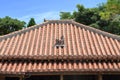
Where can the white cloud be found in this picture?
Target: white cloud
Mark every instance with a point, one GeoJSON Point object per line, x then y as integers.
{"type": "Point", "coordinates": [53, 15]}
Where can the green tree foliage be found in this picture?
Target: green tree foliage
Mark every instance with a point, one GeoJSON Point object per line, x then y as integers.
{"type": "Point", "coordinates": [105, 17]}
{"type": "Point", "coordinates": [114, 26]}
{"type": "Point", "coordinates": [7, 25]}
{"type": "Point", "coordinates": [31, 22]}
{"type": "Point", "coordinates": [113, 6]}
{"type": "Point", "coordinates": [65, 15]}
{"type": "Point", "coordinates": [111, 9]}
{"type": "Point", "coordinates": [85, 15]}
{"type": "Point", "coordinates": [95, 25]}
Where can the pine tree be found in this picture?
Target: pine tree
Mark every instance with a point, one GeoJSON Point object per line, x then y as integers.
{"type": "Point", "coordinates": [31, 22]}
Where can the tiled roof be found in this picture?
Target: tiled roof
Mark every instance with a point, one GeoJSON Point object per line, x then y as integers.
{"type": "Point", "coordinates": [40, 67]}
{"type": "Point", "coordinates": [50, 47]}
{"type": "Point", "coordinates": [80, 42]}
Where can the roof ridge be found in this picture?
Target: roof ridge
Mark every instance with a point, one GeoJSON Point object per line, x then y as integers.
{"type": "Point", "coordinates": [61, 21]}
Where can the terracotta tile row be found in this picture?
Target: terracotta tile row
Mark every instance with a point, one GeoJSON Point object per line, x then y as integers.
{"type": "Point", "coordinates": [24, 67]}
{"type": "Point", "coordinates": [80, 43]}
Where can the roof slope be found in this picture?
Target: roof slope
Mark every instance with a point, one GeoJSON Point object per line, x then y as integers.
{"type": "Point", "coordinates": [60, 67]}
{"type": "Point", "coordinates": [81, 42]}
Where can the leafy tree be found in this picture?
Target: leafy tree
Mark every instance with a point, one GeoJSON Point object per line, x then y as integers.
{"type": "Point", "coordinates": [113, 6]}
{"type": "Point", "coordinates": [111, 9]}
{"type": "Point", "coordinates": [86, 15]}
{"type": "Point", "coordinates": [105, 17]}
{"type": "Point", "coordinates": [114, 26]}
{"type": "Point", "coordinates": [31, 22]}
{"type": "Point", "coordinates": [83, 15]}
{"type": "Point", "coordinates": [65, 15]}
{"type": "Point", "coordinates": [103, 24]}
{"type": "Point", "coordinates": [8, 24]}
{"type": "Point", "coordinates": [95, 25]}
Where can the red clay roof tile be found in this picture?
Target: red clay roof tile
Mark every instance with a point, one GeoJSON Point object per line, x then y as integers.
{"type": "Point", "coordinates": [27, 67]}
{"type": "Point", "coordinates": [81, 42]}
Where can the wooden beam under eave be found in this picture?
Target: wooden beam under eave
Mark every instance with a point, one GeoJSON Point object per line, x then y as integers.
{"type": "Point", "coordinates": [99, 76]}
{"type": "Point", "coordinates": [21, 78]}
{"type": "Point", "coordinates": [61, 77]}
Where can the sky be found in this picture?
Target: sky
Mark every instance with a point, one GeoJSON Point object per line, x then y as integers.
{"type": "Point", "coordinates": [40, 9]}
